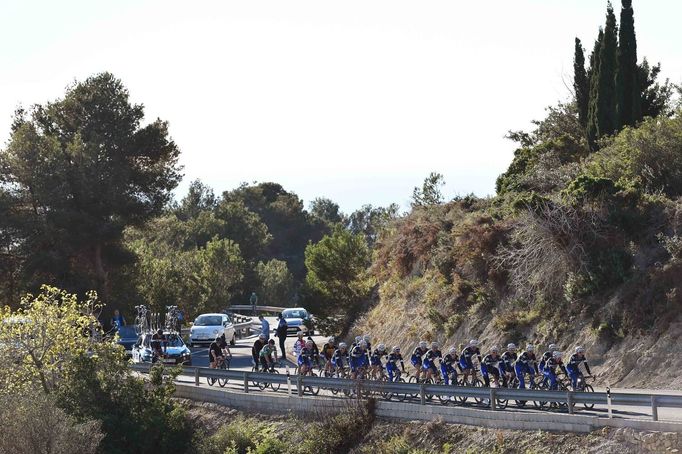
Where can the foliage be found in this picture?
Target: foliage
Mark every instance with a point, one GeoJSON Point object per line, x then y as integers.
{"type": "Point", "coordinates": [581, 84]}
{"type": "Point", "coordinates": [34, 424]}
{"type": "Point", "coordinates": [276, 283]}
{"type": "Point", "coordinates": [78, 171]}
{"type": "Point", "coordinates": [340, 432]}
{"type": "Point", "coordinates": [337, 284]}
{"type": "Point", "coordinates": [327, 211]}
{"type": "Point", "coordinates": [647, 157]}
{"type": "Point", "coordinates": [43, 335]}
{"type": "Point", "coordinates": [629, 102]}
{"type": "Point", "coordinates": [372, 221]}
{"type": "Point", "coordinates": [430, 192]}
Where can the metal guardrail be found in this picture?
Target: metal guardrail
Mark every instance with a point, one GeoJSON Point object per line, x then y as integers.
{"type": "Point", "coordinates": [248, 307]}
{"type": "Point", "coordinates": [489, 396]}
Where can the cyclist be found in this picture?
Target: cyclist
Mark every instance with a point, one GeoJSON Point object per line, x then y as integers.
{"type": "Point", "coordinates": [491, 366]}
{"type": "Point", "coordinates": [392, 363]}
{"type": "Point", "coordinates": [316, 351]}
{"type": "Point", "coordinates": [573, 366]}
{"type": "Point", "coordinates": [507, 363]}
{"type": "Point", "coordinates": [367, 340]}
{"type": "Point", "coordinates": [465, 359]}
{"type": "Point", "coordinates": [158, 345]}
{"type": "Point", "coordinates": [328, 350]}
{"type": "Point", "coordinates": [376, 365]}
{"type": "Point", "coordinates": [227, 354]}
{"type": "Point", "coordinates": [416, 358]}
{"type": "Point", "coordinates": [550, 369]}
{"type": "Point", "coordinates": [447, 366]}
{"type": "Point", "coordinates": [265, 355]}
{"type": "Point", "coordinates": [255, 350]}
{"type": "Point", "coordinates": [525, 364]}
{"type": "Point", "coordinates": [299, 344]}
{"type": "Point", "coordinates": [340, 358]}
{"type": "Point", "coordinates": [215, 353]}
{"type": "Point", "coordinates": [429, 363]}
{"type": "Point", "coordinates": [355, 342]}
{"type": "Point", "coordinates": [357, 358]}
{"type": "Point", "coordinates": [548, 354]}
{"type": "Point", "coordinates": [305, 358]}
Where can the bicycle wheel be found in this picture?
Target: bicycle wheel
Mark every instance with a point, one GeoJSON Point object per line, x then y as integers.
{"type": "Point", "coordinates": [275, 386]}
{"type": "Point", "coordinates": [477, 383]}
{"type": "Point", "coordinates": [210, 381]}
{"type": "Point", "coordinates": [314, 390]}
{"type": "Point", "coordinates": [462, 382]}
{"type": "Point", "coordinates": [588, 389]}
{"type": "Point", "coordinates": [413, 379]}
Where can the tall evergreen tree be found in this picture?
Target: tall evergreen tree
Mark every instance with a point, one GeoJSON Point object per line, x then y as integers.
{"type": "Point", "coordinates": [603, 98]}
{"type": "Point", "coordinates": [593, 77]}
{"type": "Point", "coordinates": [629, 96]}
{"type": "Point", "coordinates": [581, 84]}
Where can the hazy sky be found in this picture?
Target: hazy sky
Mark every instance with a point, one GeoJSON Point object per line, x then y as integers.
{"type": "Point", "coordinates": [356, 101]}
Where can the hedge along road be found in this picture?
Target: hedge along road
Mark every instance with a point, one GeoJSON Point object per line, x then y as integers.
{"type": "Point", "coordinates": [241, 360]}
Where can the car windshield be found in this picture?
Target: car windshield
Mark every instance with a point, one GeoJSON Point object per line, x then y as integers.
{"type": "Point", "coordinates": [295, 313]}
{"type": "Point", "coordinates": [173, 340]}
{"type": "Point", "coordinates": [125, 332]}
{"type": "Point", "coordinates": [208, 320]}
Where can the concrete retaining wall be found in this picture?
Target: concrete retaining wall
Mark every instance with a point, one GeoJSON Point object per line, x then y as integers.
{"type": "Point", "coordinates": [278, 403]}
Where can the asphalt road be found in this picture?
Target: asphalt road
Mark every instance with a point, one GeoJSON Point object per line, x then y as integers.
{"type": "Point", "coordinates": [241, 352]}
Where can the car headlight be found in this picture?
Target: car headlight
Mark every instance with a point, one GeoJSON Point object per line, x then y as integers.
{"type": "Point", "coordinates": [215, 331]}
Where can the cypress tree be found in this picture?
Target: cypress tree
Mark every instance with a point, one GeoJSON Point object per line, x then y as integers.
{"type": "Point", "coordinates": [629, 97]}
{"type": "Point", "coordinates": [603, 94]}
{"type": "Point", "coordinates": [581, 84]}
{"type": "Point", "coordinates": [593, 77]}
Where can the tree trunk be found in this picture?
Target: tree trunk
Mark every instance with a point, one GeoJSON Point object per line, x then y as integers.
{"type": "Point", "coordinates": [102, 275]}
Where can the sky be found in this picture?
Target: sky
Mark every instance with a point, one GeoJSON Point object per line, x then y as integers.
{"type": "Point", "coordinates": [357, 101]}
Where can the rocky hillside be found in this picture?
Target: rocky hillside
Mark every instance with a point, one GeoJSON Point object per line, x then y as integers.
{"type": "Point", "coordinates": [577, 248]}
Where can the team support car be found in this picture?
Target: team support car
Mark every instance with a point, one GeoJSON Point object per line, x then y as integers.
{"type": "Point", "coordinates": [207, 327]}
{"type": "Point", "coordinates": [173, 350]}
{"type": "Point", "coordinates": [127, 338]}
{"type": "Point", "coordinates": [298, 319]}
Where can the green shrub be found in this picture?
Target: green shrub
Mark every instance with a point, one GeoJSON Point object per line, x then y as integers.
{"type": "Point", "coordinates": [339, 433]}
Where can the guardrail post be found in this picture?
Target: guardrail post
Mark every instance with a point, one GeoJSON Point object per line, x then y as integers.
{"type": "Point", "coordinates": [569, 402]}
{"type": "Point", "coordinates": [422, 394]}
{"type": "Point", "coordinates": [654, 408]}
{"type": "Point", "coordinates": [493, 398]}
{"type": "Point", "coordinates": [196, 376]}
{"type": "Point", "coordinates": [246, 382]}
{"type": "Point", "coordinates": [299, 385]}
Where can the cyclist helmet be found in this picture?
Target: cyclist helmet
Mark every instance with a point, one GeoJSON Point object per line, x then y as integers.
{"type": "Point", "coordinates": [358, 339]}
{"type": "Point", "coordinates": [423, 344]}
{"type": "Point", "coordinates": [300, 334]}
{"type": "Point", "coordinates": [579, 349]}
{"type": "Point", "coordinates": [473, 343]}
{"type": "Point", "coordinates": [511, 346]}
{"type": "Point", "coordinates": [261, 336]}
{"type": "Point", "coordinates": [159, 331]}
{"type": "Point", "coordinates": [331, 340]}
{"type": "Point", "coordinates": [530, 348]}
{"type": "Point", "coordinates": [343, 345]}
{"type": "Point", "coordinates": [557, 354]}
{"type": "Point", "coordinates": [396, 349]}
{"type": "Point", "coordinates": [434, 345]}
{"type": "Point", "coordinates": [381, 347]}
{"type": "Point", "coordinates": [309, 343]}
{"type": "Point", "coordinates": [494, 349]}
{"type": "Point", "coordinates": [271, 342]}
{"type": "Point", "coordinates": [553, 347]}
{"type": "Point", "coordinates": [452, 351]}
{"type": "Point", "coordinates": [363, 344]}
{"type": "Point", "coordinates": [218, 339]}
{"type": "Point", "coordinates": [366, 338]}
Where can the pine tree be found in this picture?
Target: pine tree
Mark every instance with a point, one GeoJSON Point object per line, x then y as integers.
{"type": "Point", "coordinates": [593, 77]}
{"type": "Point", "coordinates": [629, 96]}
{"type": "Point", "coordinates": [581, 84]}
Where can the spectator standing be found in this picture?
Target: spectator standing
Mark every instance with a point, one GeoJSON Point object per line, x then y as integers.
{"type": "Point", "coordinates": [117, 320]}
{"type": "Point", "coordinates": [281, 333]}
{"type": "Point", "coordinates": [264, 327]}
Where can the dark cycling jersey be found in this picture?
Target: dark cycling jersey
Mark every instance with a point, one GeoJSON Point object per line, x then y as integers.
{"type": "Point", "coordinates": [393, 359]}
{"type": "Point", "coordinates": [375, 358]}
{"type": "Point", "coordinates": [552, 363]}
{"type": "Point", "coordinates": [574, 363]}
{"type": "Point", "coordinates": [340, 358]}
{"type": "Point", "coordinates": [450, 360]}
{"type": "Point", "coordinates": [328, 350]}
{"type": "Point", "coordinates": [216, 350]}
{"type": "Point", "coordinates": [508, 360]}
{"type": "Point", "coordinates": [526, 359]}
{"type": "Point", "coordinates": [430, 358]}
{"type": "Point", "coordinates": [417, 354]}
{"type": "Point", "coordinates": [545, 356]}
{"type": "Point", "coordinates": [255, 350]}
